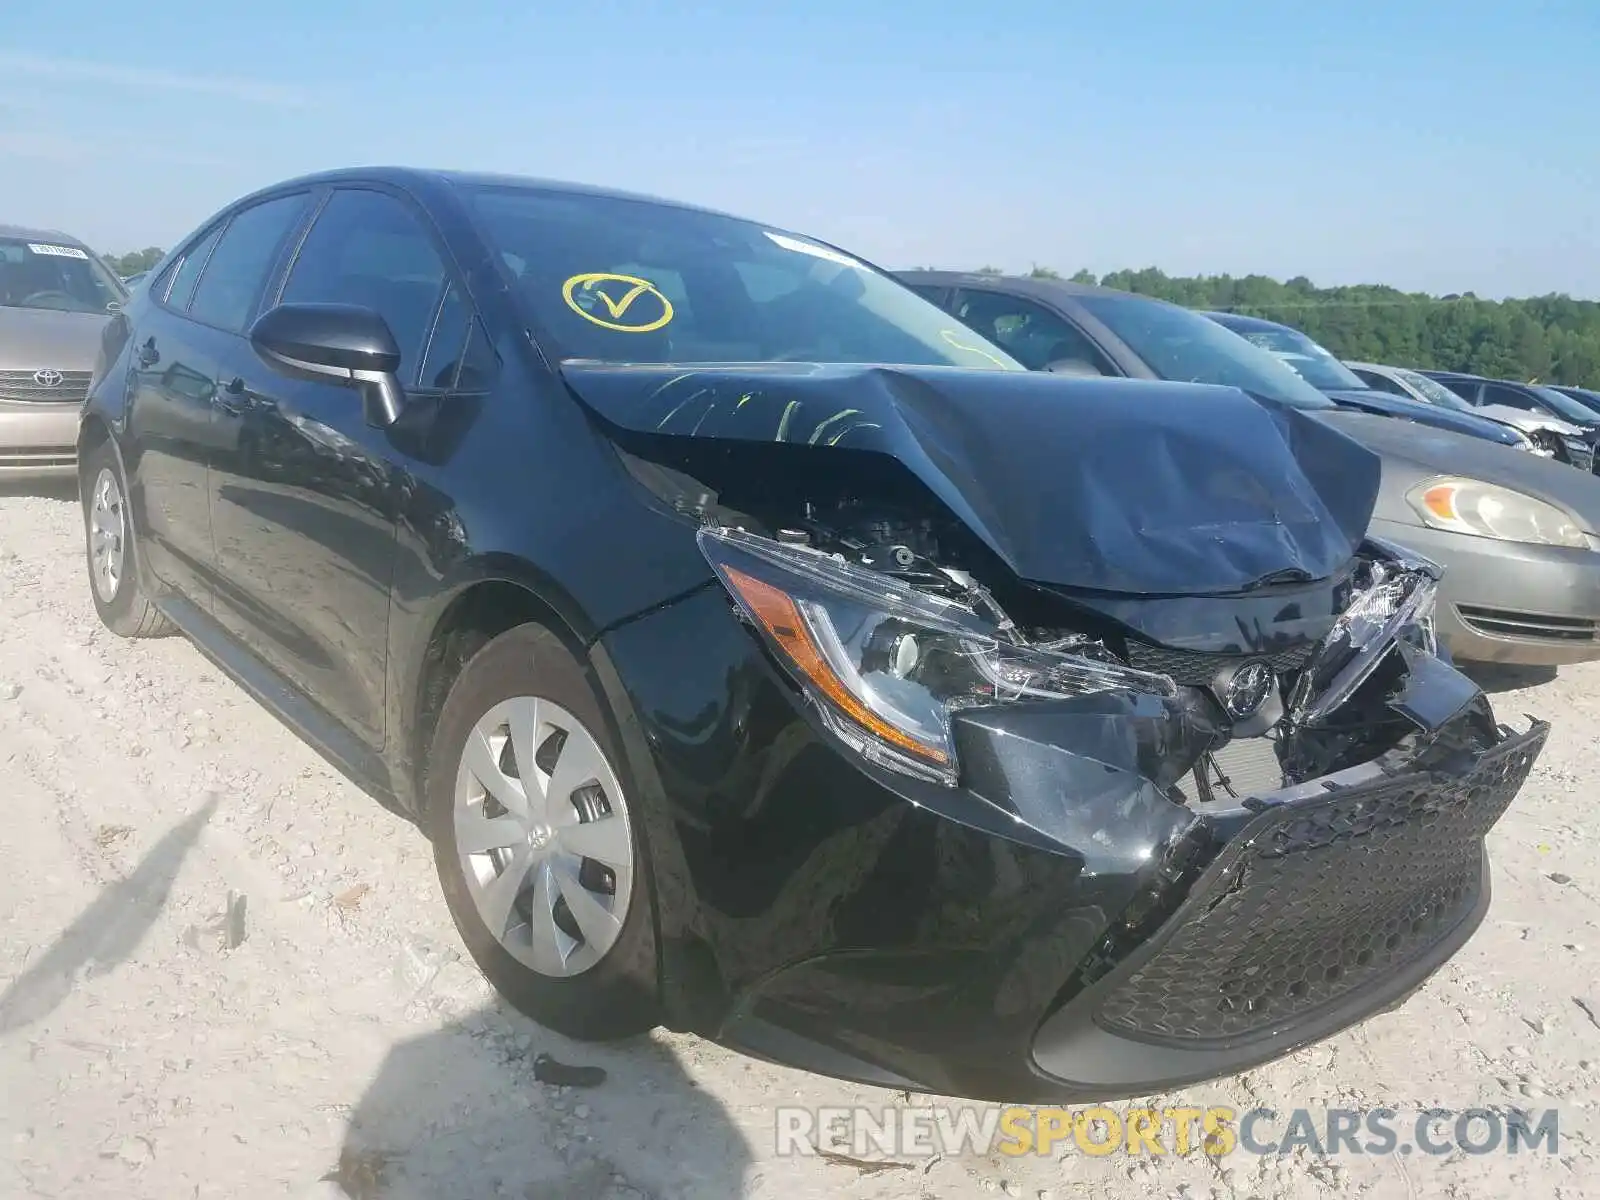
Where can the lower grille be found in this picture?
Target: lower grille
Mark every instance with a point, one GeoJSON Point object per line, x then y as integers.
{"type": "Point", "coordinates": [1196, 669]}
{"type": "Point", "coordinates": [68, 387]}
{"type": "Point", "coordinates": [1316, 900]}
{"type": "Point", "coordinates": [1500, 622]}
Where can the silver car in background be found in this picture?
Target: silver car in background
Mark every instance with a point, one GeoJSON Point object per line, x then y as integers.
{"type": "Point", "coordinates": [55, 297]}
{"type": "Point", "coordinates": [1551, 436]}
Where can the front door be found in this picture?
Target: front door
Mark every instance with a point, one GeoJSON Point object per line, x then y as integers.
{"type": "Point", "coordinates": [304, 503]}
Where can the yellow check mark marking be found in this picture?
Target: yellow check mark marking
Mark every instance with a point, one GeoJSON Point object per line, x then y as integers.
{"type": "Point", "coordinates": [618, 307]}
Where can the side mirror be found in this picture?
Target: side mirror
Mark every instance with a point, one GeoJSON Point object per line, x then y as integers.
{"type": "Point", "coordinates": [343, 343]}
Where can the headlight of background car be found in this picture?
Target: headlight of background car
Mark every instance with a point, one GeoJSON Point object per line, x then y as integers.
{"type": "Point", "coordinates": [1393, 600]}
{"type": "Point", "coordinates": [887, 665]}
{"type": "Point", "coordinates": [1488, 510]}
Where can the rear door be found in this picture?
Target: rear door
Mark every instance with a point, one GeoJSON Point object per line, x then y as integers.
{"type": "Point", "coordinates": [174, 390]}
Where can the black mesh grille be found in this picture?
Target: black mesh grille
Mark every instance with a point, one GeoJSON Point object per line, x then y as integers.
{"type": "Point", "coordinates": [1317, 899]}
{"type": "Point", "coordinates": [1196, 669]}
{"type": "Point", "coordinates": [26, 386]}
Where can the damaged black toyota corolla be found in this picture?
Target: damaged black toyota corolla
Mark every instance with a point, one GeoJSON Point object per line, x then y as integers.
{"type": "Point", "coordinates": [937, 724]}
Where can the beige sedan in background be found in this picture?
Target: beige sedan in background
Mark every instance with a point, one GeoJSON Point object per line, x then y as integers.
{"type": "Point", "coordinates": [55, 297]}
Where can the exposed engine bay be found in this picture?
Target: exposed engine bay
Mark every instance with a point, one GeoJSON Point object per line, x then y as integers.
{"type": "Point", "coordinates": [1329, 713]}
{"type": "Point", "coordinates": [1259, 722]}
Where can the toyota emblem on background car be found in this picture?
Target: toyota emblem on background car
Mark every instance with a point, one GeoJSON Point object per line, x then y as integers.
{"type": "Point", "coordinates": [48, 378]}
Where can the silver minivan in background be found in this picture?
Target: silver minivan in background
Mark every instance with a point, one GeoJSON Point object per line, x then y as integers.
{"type": "Point", "coordinates": [55, 296]}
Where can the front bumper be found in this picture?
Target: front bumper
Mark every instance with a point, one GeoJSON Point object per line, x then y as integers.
{"type": "Point", "coordinates": [1328, 907]}
{"type": "Point", "coordinates": [975, 941]}
{"type": "Point", "coordinates": [1507, 602]}
{"type": "Point", "coordinates": [38, 440]}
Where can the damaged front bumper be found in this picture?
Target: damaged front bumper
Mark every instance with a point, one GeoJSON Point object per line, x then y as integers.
{"type": "Point", "coordinates": [1336, 900]}
{"type": "Point", "coordinates": [1057, 925]}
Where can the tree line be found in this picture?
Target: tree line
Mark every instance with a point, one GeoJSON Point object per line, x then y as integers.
{"type": "Point", "coordinates": [1544, 339]}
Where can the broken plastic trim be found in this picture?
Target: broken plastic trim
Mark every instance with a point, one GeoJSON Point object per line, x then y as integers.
{"type": "Point", "coordinates": [888, 665]}
{"type": "Point", "coordinates": [1397, 601]}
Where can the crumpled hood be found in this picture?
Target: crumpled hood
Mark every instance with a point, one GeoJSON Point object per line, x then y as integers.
{"type": "Point", "coordinates": [1529, 421]}
{"type": "Point", "coordinates": [1109, 485]}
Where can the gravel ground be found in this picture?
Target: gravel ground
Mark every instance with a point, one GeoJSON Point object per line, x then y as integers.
{"type": "Point", "coordinates": [344, 1047]}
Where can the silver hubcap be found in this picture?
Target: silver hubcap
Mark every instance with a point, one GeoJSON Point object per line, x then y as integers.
{"type": "Point", "coordinates": [542, 834]}
{"type": "Point", "coordinates": [108, 534]}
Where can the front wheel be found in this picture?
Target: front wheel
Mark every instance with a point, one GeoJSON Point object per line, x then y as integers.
{"type": "Point", "coordinates": [111, 549]}
{"type": "Point", "coordinates": [536, 843]}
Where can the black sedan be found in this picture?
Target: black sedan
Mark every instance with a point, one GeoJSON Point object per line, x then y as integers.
{"type": "Point", "coordinates": [768, 654]}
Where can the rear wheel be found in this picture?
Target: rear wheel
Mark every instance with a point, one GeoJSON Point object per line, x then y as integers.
{"type": "Point", "coordinates": [537, 848]}
{"type": "Point", "coordinates": [111, 550]}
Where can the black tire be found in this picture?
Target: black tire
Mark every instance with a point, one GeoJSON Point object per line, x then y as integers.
{"type": "Point", "coordinates": [127, 612]}
{"type": "Point", "coordinates": [618, 996]}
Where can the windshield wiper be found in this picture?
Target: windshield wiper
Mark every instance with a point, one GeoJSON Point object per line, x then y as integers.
{"type": "Point", "coordinates": [1273, 578]}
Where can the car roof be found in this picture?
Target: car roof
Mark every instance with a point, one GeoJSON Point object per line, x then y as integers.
{"type": "Point", "coordinates": [1023, 285]}
{"type": "Point", "coordinates": [1240, 321]}
{"type": "Point", "coordinates": [423, 178]}
{"type": "Point", "coordinates": [30, 231]}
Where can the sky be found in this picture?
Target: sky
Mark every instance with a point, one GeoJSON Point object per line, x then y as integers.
{"type": "Point", "coordinates": [1436, 146]}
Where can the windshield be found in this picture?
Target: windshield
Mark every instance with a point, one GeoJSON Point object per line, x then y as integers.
{"type": "Point", "coordinates": [621, 280]}
{"type": "Point", "coordinates": [57, 277]}
{"type": "Point", "coordinates": [1434, 391]}
{"type": "Point", "coordinates": [1184, 346]}
{"type": "Point", "coordinates": [1307, 359]}
{"type": "Point", "coordinates": [1583, 396]}
{"type": "Point", "coordinates": [1563, 405]}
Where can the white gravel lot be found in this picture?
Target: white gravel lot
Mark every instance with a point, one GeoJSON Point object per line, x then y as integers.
{"type": "Point", "coordinates": [346, 1048]}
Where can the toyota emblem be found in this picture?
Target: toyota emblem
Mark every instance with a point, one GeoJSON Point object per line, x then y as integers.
{"type": "Point", "coordinates": [48, 378]}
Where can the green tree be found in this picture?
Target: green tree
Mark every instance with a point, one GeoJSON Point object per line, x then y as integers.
{"type": "Point", "coordinates": [134, 261]}
{"type": "Point", "coordinates": [1555, 339]}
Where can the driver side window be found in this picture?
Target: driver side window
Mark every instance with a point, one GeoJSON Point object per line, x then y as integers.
{"type": "Point", "coordinates": [1029, 332]}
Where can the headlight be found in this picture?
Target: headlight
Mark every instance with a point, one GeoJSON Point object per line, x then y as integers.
{"type": "Point", "coordinates": [1394, 599]}
{"type": "Point", "coordinates": [1487, 510]}
{"type": "Point", "coordinates": [886, 665]}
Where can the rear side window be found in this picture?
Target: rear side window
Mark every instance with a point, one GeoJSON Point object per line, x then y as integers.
{"type": "Point", "coordinates": [233, 279]}
{"type": "Point", "coordinates": [188, 272]}
{"type": "Point", "coordinates": [369, 248]}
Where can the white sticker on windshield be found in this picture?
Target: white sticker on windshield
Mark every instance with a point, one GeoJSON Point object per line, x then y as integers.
{"type": "Point", "coordinates": [58, 251]}
{"type": "Point", "coordinates": [803, 247]}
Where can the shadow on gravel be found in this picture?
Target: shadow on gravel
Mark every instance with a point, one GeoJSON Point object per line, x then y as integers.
{"type": "Point", "coordinates": [459, 1114]}
{"type": "Point", "coordinates": [1506, 677]}
{"type": "Point", "coordinates": [106, 932]}
{"type": "Point", "coordinates": [48, 489]}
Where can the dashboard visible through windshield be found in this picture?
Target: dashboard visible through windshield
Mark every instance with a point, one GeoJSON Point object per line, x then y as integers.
{"type": "Point", "coordinates": [54, 277]}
